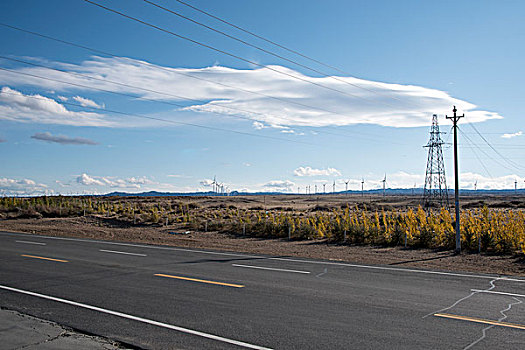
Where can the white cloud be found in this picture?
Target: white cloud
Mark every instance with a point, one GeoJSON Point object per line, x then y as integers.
{"type": "Point", "coordinates": [16, 106]}
{"type": "Point", "coordinates": [309, 171]}
{"type": "Point", "coordinates": [179, 176]}
{"type": "Point", "coordinates": [114, 182]}
{"type": "Point", "coordinates": [62, 139]}
{"type": "Point", "coordinates": [378, 103]}
{"type": "Point", "coordinates": [86, 102]}
{"type": "Point", "coordinates": [402, 179]}
{"type": "Point", "coordinates": [258, 125]}
{"type": "Point", "coordinates": [509, 136]}
{"type": "Point", "coordinates": [63, 98]}
{"type": "Point", "coordinates": [21, 187]}
{"type": "Point", "coordinates": [280, 185]}
{"type": "Point", "coordinates": [206, 182]}
{"type": "Point", "coordinates": [139, 180]}
{"type": "Point", "coordinates": [505, 182]}
{"type": "Point", "coordinates": [87, 180]}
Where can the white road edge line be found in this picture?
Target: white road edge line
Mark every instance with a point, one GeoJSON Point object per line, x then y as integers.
{"type": "Point", "coordinates": [136, 318]}
{"type": "Point", "coordinates": [28, 242]}
{"type": "Point", "coordinates": [398, 269]}
{"type": "Point", "coordinates": [281, 259]}
{"type": "Point", "coordinates": [117, 252]}
{"type": "Point", "coordinates": [269, 268]}
{"type": "Point", "coordinates": [494, 292]}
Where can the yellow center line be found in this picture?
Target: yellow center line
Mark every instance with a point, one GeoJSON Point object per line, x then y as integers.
{"type": "Point", "coordinates": [43, 258]}
{"type": "Point", "coordinates": [481, 320]}
{"type": "Point", "coordinates": [201, 281]}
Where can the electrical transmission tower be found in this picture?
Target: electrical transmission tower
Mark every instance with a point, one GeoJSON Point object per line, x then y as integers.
{"type": "Point", "coordinates": [435, 191]}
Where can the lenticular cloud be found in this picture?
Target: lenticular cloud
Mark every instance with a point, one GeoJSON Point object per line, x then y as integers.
{"type": "Point", "coordinates": [264, 95]}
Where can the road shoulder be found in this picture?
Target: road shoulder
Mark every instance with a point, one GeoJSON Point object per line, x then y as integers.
{"type": "Point", "coordinates": [20, 331]}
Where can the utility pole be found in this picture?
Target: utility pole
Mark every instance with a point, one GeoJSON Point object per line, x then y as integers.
{"type": "Point", "coordinates": [455, 119]}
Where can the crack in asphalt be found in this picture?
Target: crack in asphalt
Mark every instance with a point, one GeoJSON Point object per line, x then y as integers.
{"type": "Point", "coordinates": [484, 331]}
{"type": "Point", "coordinates": [49, 339]}
{"type": "Point", "coordinates": [322, 273]}
{"type": "Point", "coordinates": [467, 297]}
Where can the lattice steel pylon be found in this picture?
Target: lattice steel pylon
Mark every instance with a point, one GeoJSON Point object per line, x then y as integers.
{"type": "Point", "coordinates": [435, 191]}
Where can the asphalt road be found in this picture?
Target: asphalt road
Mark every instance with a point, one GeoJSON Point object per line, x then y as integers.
{"type": "Point", "coordinates": [168, 298]}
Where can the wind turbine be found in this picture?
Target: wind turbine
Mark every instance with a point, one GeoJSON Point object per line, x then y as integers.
{"type": "Point", "coordinates": [333, 187]}
{"type": "Point", "coordinates": [384, 185]}
{"type": "Point", "coordinates": [515, 186]}
{"type": "Point", "coordinates": [476, 185]}
{"type": "Point", "coordinates": [214, 183]}
{"type": "Point", "coordinates": [362, 187]}
{"type": "Point", "coordinates": [315, 189]}
{"type": "Point", "coordinates": [324, 188]}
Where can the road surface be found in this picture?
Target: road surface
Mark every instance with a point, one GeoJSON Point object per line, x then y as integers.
{"type": "Point", "coordinates": [159, 297]}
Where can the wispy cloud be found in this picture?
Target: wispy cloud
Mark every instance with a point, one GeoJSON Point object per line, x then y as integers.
{"type": "Point", "coordinates": [309, 171]}
{"type": "Point", "coordinates": [86, 102]}
{"type": "Point", "coordinates": [179, 176]}
{"type": "Point", "coordinates": [509, 136]}
{"type": "Point", "coordinates": [377, 103]}
{"type": "Point", "coordinates": [62, 139]}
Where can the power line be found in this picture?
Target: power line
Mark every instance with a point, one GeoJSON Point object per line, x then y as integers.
{"type": "Point", "coordinates": [263, 38]}
{"type": "Point", "coordinates": [476, 154]}
{"type": "Point", "coordinates": [180, 73]}
{"type": "Point", "coordinates": [485, 153]}
{"type": "Point", "coordinates": [189, 76]}
{"type": "Point", "coordinates": [267, 51]}
{"type": "Point", "coordinates": [160, 119]}
{"type": "Point", "coordinates": [514, 164]}
{"type": "Point", "coordinates": [229, 53]}
{"type": "Point", "coordinates": [137, 88]}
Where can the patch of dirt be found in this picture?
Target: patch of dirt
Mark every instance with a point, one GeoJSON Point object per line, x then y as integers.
{"type": "Point", "coordinates": [104, 229]}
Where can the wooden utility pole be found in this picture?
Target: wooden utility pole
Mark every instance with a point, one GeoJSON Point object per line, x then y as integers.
{"type": "Point", "coordinates": [455, 119]}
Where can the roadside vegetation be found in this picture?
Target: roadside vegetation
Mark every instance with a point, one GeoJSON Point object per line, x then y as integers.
{"type": "Point", "coordinates": [495, 230]}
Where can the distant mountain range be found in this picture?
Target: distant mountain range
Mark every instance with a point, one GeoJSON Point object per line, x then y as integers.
{"type": "Point", "coordinates": [390, 191]}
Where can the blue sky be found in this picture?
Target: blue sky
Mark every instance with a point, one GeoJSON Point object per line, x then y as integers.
{"type": "Point", "coordinates": [188, 113]}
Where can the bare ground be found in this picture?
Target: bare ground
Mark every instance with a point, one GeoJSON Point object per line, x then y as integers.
{"type": "Point", "coordinates": [106, 229]}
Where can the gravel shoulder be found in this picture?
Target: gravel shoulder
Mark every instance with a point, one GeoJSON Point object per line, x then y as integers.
{"type": "Point", "coordinates": [106, 229]}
